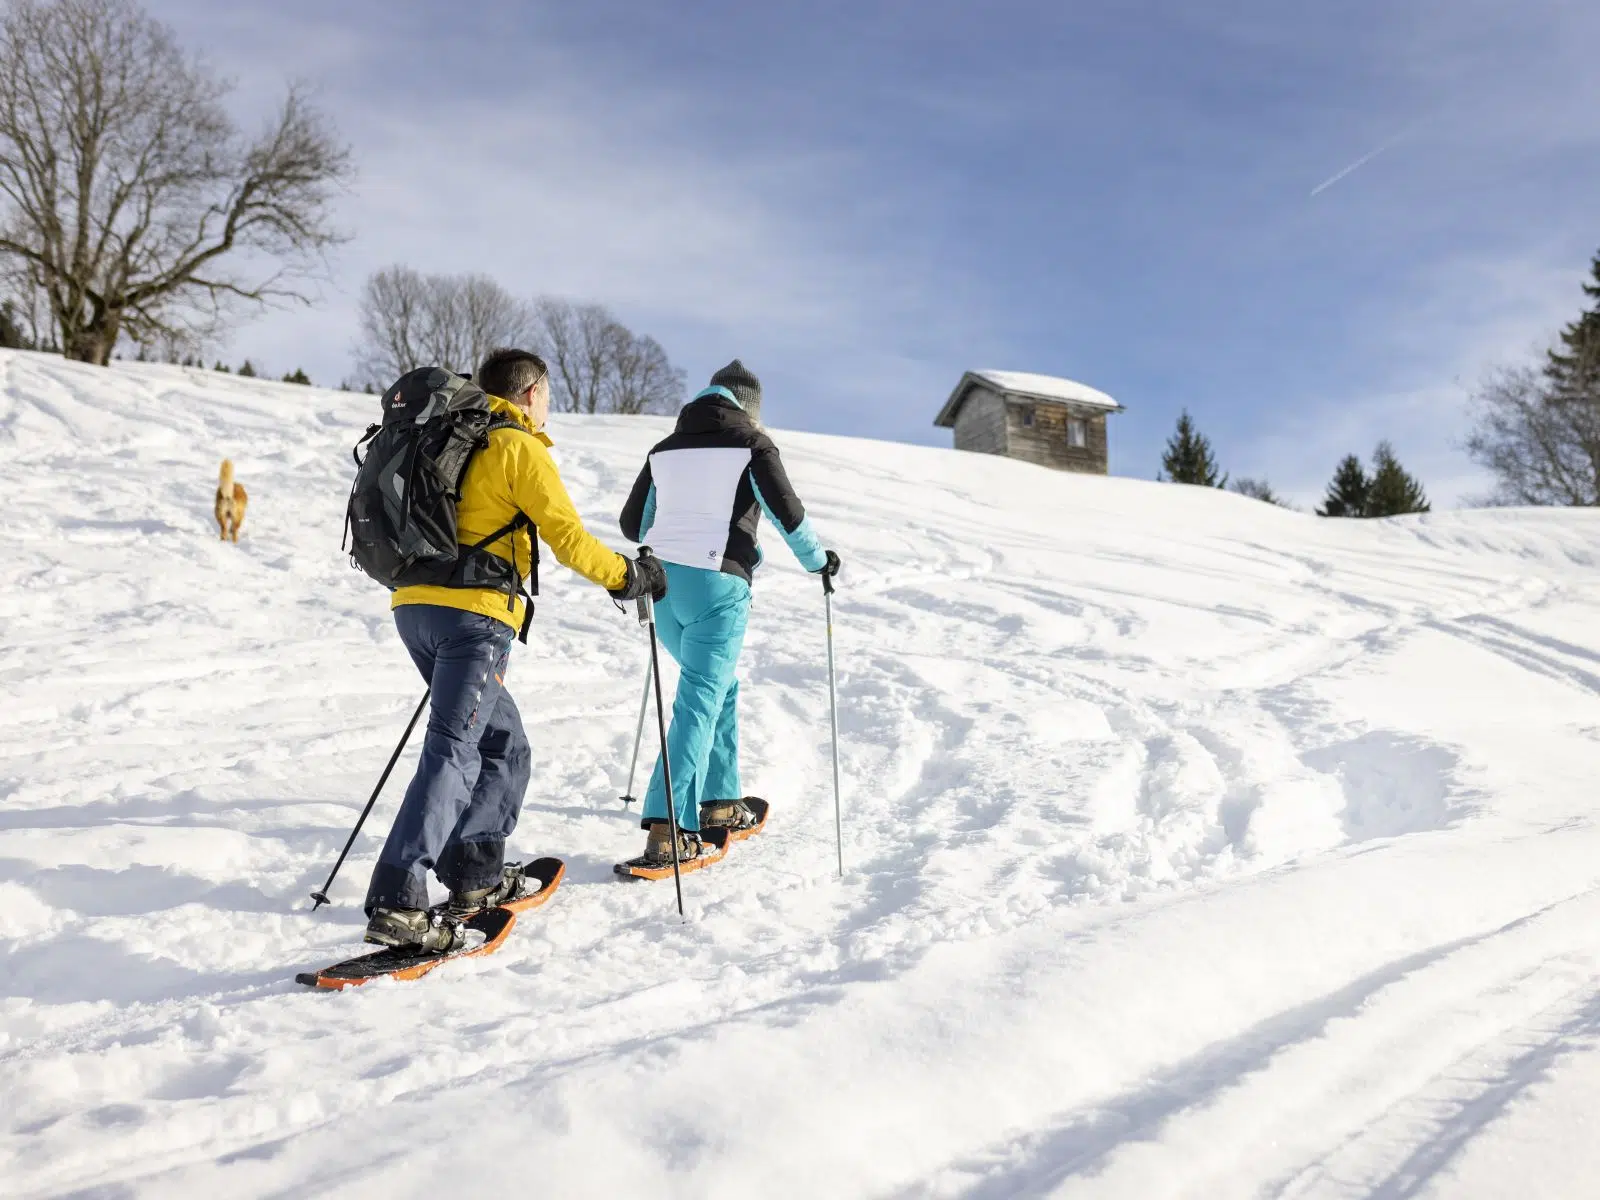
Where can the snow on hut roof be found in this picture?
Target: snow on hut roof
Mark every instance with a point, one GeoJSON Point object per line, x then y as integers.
{"type": "Point", "coordinates": [1027, 385]}
{"type": "Point", "coordinates": [1047, 387]}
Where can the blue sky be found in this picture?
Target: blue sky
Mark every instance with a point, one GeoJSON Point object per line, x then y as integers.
{"type": "Point", "coordinates": [864, 199]}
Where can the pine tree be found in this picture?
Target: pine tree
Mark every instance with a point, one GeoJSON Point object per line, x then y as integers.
{"type": "Point", "coordinates": [1188, 458]}
{"type": "Point", "coordinates": [1573, 369]}
{"type": "Point", "coordinates": [247, 370]}
{"type": "Point", "coordinates": [297, 376]}
{"type": "Point", "coordinates": [223, 367]}
{"type": "Point", "coordinates": [1347, 493]}
{"type": "Point", "coordinates": [1394, 491]}
{"type": "Point", "coordinates": [11, 335]}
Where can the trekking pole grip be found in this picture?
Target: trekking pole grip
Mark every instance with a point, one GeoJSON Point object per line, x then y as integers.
{"type": "Point", "coordinates": [646, 605]}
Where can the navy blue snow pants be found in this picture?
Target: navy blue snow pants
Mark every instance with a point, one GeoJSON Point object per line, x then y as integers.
{"type": "Point", "coordinates": [464, 800]}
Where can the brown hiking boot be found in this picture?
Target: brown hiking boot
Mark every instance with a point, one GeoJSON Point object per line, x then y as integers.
{"type": "Point", "coordinates": [732, 815]}
{"type": "Point", "coordinates": [658, 845]}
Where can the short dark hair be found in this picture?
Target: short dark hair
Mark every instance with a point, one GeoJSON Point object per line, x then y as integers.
{"type": "Point", "coordinates": [507, 372]}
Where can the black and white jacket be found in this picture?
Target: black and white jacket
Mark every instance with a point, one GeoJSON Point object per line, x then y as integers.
{"type": "Point", "coordinates": [702, 491]}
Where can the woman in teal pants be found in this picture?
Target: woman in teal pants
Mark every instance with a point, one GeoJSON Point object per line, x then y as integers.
{"type": "Point", "coordinates": [702, 627]}
{"type": "Point", "coordinates": [699, 500]}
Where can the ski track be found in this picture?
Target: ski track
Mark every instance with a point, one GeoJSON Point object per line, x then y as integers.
{"type": "Point", "coordinates": [1194, 848]}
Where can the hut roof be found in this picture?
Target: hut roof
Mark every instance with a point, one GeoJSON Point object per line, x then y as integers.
{"type": "Point", "coordinates": [1022, 385]}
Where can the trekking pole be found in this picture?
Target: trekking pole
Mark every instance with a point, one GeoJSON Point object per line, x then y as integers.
{"type": "Point", "coordinates": [647, 616]}
{"type": "Point", "coordinates": [321, 897]}
{"type": "Point", "coordinates": [833, 718]}
{"type": "Point", "coordinates": [638, 734]}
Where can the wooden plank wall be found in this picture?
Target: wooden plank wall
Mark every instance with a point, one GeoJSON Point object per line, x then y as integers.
{"type": "Point", "coordinates": [1045, 441]}
{"type": "Point", "coordinates": [981, 424]}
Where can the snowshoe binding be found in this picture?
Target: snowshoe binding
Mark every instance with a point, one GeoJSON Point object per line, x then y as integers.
{"type": "Point", "coordinates": [419, 930]}
{"type": "Point", "coordinates": [695, 850]}
{"type": "Point", "coordinates": [515, 884]}
{"type": "Point", "coordinates": [741, 818]}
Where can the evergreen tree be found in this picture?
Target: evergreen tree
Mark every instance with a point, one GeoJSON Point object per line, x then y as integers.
{"type": "Point", "coordinates": [1393, 490]}
{"type": "Point", "coordinates": [297, 376]}
{"type": "Point", "coordinates": [247, 370]}
{"type": "Point", "coordinates": [1347, 493]}
{"type": "Point", "coordinates": [1188, 458]}
{"type": "Point", "coordinates": [223, 367]}
{"type": "Point", "coordinates": [11, 335]}
{"type": "Point", "coordinates": [1573, 369]}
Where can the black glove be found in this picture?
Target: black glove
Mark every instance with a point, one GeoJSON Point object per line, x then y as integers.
{"type": "Point", "coordinates": [646, 577]}
{"type": "Point", "coordinates": [831, 567]}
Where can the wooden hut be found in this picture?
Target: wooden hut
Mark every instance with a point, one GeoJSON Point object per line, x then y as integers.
{"type": "Point", "coordinates": [1036, 418]}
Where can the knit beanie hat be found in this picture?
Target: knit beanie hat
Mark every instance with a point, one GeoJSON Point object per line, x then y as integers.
{"type": "Point", "coordinates": [746, 388]}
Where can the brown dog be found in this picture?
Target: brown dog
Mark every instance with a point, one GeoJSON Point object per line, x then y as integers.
{"type": "Point", "coordinates": [231, 502]}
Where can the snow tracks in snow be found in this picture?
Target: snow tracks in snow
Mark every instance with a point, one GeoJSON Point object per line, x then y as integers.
{"type": "Point", "coordinates": [1195, 847]}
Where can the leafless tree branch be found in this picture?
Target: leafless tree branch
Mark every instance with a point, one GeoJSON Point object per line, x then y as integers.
{"type": "Point", "coordinates": [130, 199]}
{"type": "Point", "coordinates": [1542, 443]}
{"type": "Point", "coordinates": [410, 320]}
{"type": "Point", "coordinates": [597, 364]}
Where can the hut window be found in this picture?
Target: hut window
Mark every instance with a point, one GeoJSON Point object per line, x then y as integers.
{"type": "Point", "coordinates": [1077, 433]}
{"type": "Point", "coordinates": [1027, 417]}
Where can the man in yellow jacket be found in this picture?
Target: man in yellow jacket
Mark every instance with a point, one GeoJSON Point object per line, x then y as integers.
{"type": "Point", "coordinates": [467, 793]}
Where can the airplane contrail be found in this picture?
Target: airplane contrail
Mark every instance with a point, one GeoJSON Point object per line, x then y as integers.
{"type": "Point", "coordinates": [1358, 164]}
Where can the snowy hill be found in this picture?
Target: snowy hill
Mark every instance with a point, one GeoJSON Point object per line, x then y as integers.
{"type": "Point", "coordinates": [1195, 847]}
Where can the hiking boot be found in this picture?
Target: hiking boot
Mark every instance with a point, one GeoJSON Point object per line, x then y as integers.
{"type": "Point", "coordinates": [414, 929]}
{"type": "Point", "coordinates": [733, 815]}
{"type": "Point", "coordinates": [513, 885]}
{"type": "Point", "coordinates": [658, 845]}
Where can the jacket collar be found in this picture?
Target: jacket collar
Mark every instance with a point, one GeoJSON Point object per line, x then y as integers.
{"type": "Point", "coordinates": [716, 389]}
{"type": "Point", "coordinates": [504, 408]}
{"type": "Point", "coordinates": [711, 411]}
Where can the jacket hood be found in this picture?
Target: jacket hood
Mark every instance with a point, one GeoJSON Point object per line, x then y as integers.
{"type": "Point", "coordinates": [707, 414]}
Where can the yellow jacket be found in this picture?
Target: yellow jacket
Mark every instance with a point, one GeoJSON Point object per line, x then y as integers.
{"type": "Point", "coordinates": [513, 473]}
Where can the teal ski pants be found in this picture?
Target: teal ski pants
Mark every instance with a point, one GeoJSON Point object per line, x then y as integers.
{"type": "Point", "coordinates": [701, 623]}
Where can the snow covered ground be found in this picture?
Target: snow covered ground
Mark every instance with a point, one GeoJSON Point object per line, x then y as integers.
{"type": "Point", "coordinates": [1195, 848]}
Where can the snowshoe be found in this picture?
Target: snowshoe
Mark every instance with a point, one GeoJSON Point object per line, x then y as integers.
{"type": "Point", "coordinates": [482, 933]}
{"type": "Point", "coordinates": [741, 818]}
{"type": "Point", "coordinates": [695, 850]}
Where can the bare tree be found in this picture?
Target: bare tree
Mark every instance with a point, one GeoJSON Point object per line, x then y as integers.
{"type": "Point", "coordinates": [643, 379]}
{"type": "Point", "coordinates": [1539, 430]}
{"type": "Point", "coordinates": [573, 340]}
{"type": "Point", "coordinates": [392, 305]}
{"type": "Point", "coordinates": [1541, 441]}
{"type": "Point", "coordinates": [597, 364]}
{"type": "Point", "coordinates": [131, 197]}
{"type": "Point", "coordinates": [411, 320]}
{"type": "Point", "coordinates": [1258, 489]}
{"type": "Point", "coordinates": [483, 315]}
